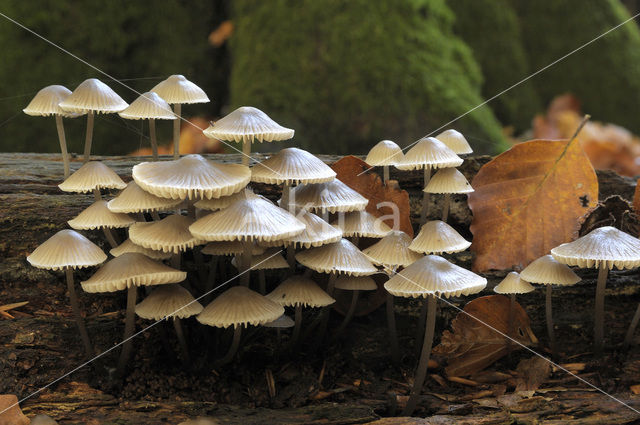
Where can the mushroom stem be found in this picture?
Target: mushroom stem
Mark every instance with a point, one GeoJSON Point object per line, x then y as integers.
{"type": "Point", "coordinates": [632, 328]}
{"type": "Point", "coordinates": [445, 207]}
{"type": "Point", "coordinates": [549, 314]}
{"type": "Point", "coordinates": [510, 329]}
{"type": "Point", "coordinates": [421, 372]}
{"type": "Point", "coordinates": [246, 260]}
{"type": "Point", "coordinates": [155, 216]}
{"type": "Point", "coordinates": [262, 281]}
{"type": "Point", "coordinates": [233, 349]}
{"type": "Point", "coordinates": [350, 312]}
{"type": "Point", "coordinates": [425, 196]}
{"type": "Point", "coordinates": [152, 137]}
{"type": "Point", "coordinates": [286, 195]}
{"type": "Point", "coordinates": [599, 323]}
{"type": "Point", "coordinates": [291, 256]}
{"type": "Point", "coordinates": [246, 150]}
{"type": "Point", "coordinates": [422, 321]}
{"type": "Point", "coordinates": [191, 210]}
{"type": "Point", "coordinates": [73, 298]}
{"type": "Point", "coordinates": [355, 240]}
{"type": "Point", "coordinates": [177, 325]}
{"type": "Point", "coordinates": [297, 327]}
{"type": "Point", "coordinates": [63, 145]}
{"type": "Point", "coordinates": [393, 333]}
{"type": "Point", "coordinates": [326, 312]}
{"type": "Point", "coordinates": [129, 327]}
{"type": "Point", "coordinates": [385, 174]}
{"type": "Point", "coordinates": [97, 195]}
{"type": "Point", "coordinates": [110, 238]}
{"type": "Point", "coordinates": [88, 138]}
{"type": "Point", "coordinates": [177, 110]}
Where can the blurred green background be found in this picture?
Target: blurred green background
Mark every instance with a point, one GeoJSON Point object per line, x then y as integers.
{"type": "Point", "coordinates": [343, 73]}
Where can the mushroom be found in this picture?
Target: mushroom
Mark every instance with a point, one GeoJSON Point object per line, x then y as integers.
{"type": "Point", "coordinates": [392, 252]}
{"type": "Point", "coordinates": [135, 200]}
{"type": "Point", "coordinates": [128, 246]}
{"type": "Point", "coordinates": [355, 285]}
{"type": "Point", "coordinates": [431, 277]}
{"type": "Point", "coordinates": [245, 125]}
{"type": "Point", "coordinates": [333, 197]}
{"type": "Point", "coordinates": [44, 104]}
{"type": "Point", "coordinates": [358, 224]}
{"type": "Point", "coordinates": [603, 248]}
{"type": "Point", "coordinates": [448, 181]}
{"type": "Point", "coordinates": [238, 307]}
{"type": "Point", "coordinates": [149, 106]}
{"type": "Point", "coordinates": [547, 271]}
{"type": "Point", "coordinates": [298, 292]}
{"type": "Point", "coordinates": [428, 154]}
{"type": "Point", "coordinates": [171, 234]}
{"type": "Point", "coordinates": [129, 271]}
{"type": "Point", "coordinates": [215, 204]}
{"type": "Point", "coordinates": [68, 250]}
{"type": "Point", "coordinates": [177, 90]}
{"type": "Point", "coordinates": [92, 96]}
{"type": "Point", "coordinates": [98, 216]}
{"type": "Point", "coordinates": [511, 285]}
{"type": "Point", "coordinates": [436, 237]}
{"type": "Point", "coordinates": [385, 153]}
{"type": "Point", "coordinates": [269, 260]}
{"type": "Point", "coordinates": [282, 322]}
{"type": "Point", "coordinates": [455, 141]}
{"type": "Point", "coordinates": [170, 302]}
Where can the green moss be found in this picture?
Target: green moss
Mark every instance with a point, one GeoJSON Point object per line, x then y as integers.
{"type": "Point", "coordinates": [605, 75]}
{"type": "Point", "coordinates": [346, 74]}
{"type": "Point", "coordinates": [491, 29]}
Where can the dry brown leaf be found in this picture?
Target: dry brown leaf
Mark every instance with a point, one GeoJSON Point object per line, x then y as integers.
{"type": "Point", "coordinates": [528, 200]}
{"type": "Point", "coordinates": [532, 373]}
{"type": "Point", "coordinates": [635, 389]}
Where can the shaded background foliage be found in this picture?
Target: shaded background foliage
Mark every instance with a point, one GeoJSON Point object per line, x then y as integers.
{"type": "Point", "coordinates": [344, 74]}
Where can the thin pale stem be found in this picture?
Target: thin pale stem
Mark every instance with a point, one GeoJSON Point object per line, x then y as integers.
{"type": "Point", "coordinates": [286, 196]}
{"type": "Point", "coordinates": [297, 327]}
{"type": "Point", "coordinates": [510, 321]}
{"type": "Point", "coordinates": [177, 109]}
{"type": "Point", "coordinates": [350, 312]}
{"type": "Point", "coordinates": [445, 207]}
{"type": "Point", "coordinates": [385, 174]}
{"type": "Point", "coordinates": [152, 137]}
{"type": "Point", "coordinates": [88, 138]}
{"type": "Point", "coordinates": [599, 322]}
{"type": "Point", "coordinates": [549, 313]}
{"type": "Point", "coordinates": [632, 328]}
{"type": "Point", "coordinates": [110, 237]}
{"type": "Point", "coordinates": [424, 213]}
{"type": "Point", "coordinates": [291, 256]}
{"type": "Point", "coordinates": [129, 328]}
{"type": "Point", "coordinates": [63, 145]}
{"type": "Point", "coordinates": [233, 349]}
{"type": "Point", "coordinates": [177, 325]}
{"type": "Point", "coordinates": [246, 151]}
{"type": "Point", "coordinates": [393, 333]}
{"type": "Point", "coordinates": [73, 298]}
{"type": "Point", "coordinates": [421, 372]}
{"type": "Point", "coordinates": [246, 262]}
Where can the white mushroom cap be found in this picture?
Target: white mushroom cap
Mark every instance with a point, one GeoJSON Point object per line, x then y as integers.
{"type": "Point", "coordinates": [134, 200]}
{"type": "Point", "coordinates": [433, 275]}
{"type": "Point", "coordinates": [547, 271]}
{"type": "Point", "coordinates": [316, 233]}
{"type": "Point", "coordinates": [392, 251]}
{"type": "Point", "coordinates": [171, 234]}
{"type": "Point", "coordinates": [299, 290]}
{"type": "Point", "coordinates": [448, 180]}
{"type": "Point", "coordinates": [148, 106]}
{"type": "Point", "coordinates": [293, 166]}
{"type": "Point", "coordinates": [385, 152]}
{"type": "Point", "coordinates": [341, 257]}
{"type": "Point", "coordinates": [281, 322]}
{"type": "Point", "coordinates": [429, 152]}
{"type": "Point", "coordinates": [436, 237]}
{"type": "Point", "coordinates": [513, 284]}
{"type": "Point", "coordinates": [248, 123]}
{"type": "Point", "coordinates": [128, 246]}
{"type": "Point", "coordinates": [177, 89]}
{"type": "Point", "coordinates": [66, 249]}
{"type": "Point", "coordinates": [333, 196]}
{"type": "Point", "coordinates": [604, 245]}
{"type": "Point", "coordinates": [240, 306]}
{"type": "Point", "coordinates": [168, 301]}
{"type": "Point", "coordinates": [46, 102]}
{"type": "Point", "coordinates": [92, 175]}
{"type": "Point", "coordinates": [93, 95]}
{"type": "Point", "coordinates": [361, 223]}
{"type": "Point", "coordinates": [455, 141]}
{"type": "Point", "coordinates": [98, 216]}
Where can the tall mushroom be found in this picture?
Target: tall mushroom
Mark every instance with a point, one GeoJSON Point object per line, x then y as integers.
{"type": "Point", "coordinates": [385, 154]}
{"type": "Point", "coordinates": [448, 181]}
{"type": "Point", "coordinates": [45, 103]}
{"type": "Point", "coordinates": [512, 285]}
{"type": "Point", "coordinates": [177, 90]}
{"type": "Point", "coordinates": [68, 250]}
{"type": "Point", "coordinates": [547, 271]}
{"type": "Point", "coordinates": [149, 106]}
{"type": "Point", "coordinates": [431, 277]}
{"type": "Point", "coordinates": [245, 125]}
{"type": "Point", "coordinates": [98, 216]}
{"type": "Point", "coordinates": [355, 285]}
{"type": "Point", "coordinates": [603, 248]}
{"type": "Point", "coordinates": [92, 96]}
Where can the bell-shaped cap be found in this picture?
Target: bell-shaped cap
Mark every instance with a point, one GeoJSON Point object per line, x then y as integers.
{"type": "Point", "coordinates": [300, 291]}
{"type": "Point", "coordinates": [240, 306]}
{"type": "Point", "coordinates": [171, 234]}
{"type": "Point", "coordinates": [248, 123]}
{"type": "Point", "coordinates": [191, 176]}
{"type": "Point", "coordinates": [351, 283]}
{"type": "Point", "coordinates": [148, 106]}
{"type": "Point", "coordinates": [333, 196]}
{"type": "Point", "coordinates": [341, 257]}
{"type": "Point", "coordinates": [316, 233]}
{"type": "Point", "coordinates": [177, 89]}
{"type": "Point", "coordinates": [392, 251]}
{"type": "Point", "coordinates": [455, 141]}
{"type": "Point", "coordinates": [361, 223]}
{"type": "Point", "coordinates": [448, 180]}
{"type": "Point", "coordinates": [230, 248]}
{"type": "Point", "coordinates": [128, 246]}
{"type": "Point", "coordinates": [66, 249]}
{"type": "Point", "coordinates": [292, 166]}
{"type": "Point", "coordinates": [215, 204]}
{"type": "Point", "coordinates": [98, 216]}
{"type": "Point", "coordinates": [47, 102]}
{"type": "Point", "coordinates": [436, 237]}
{"type": "Point", "coordinates": [253, 218]}
{"type": "Point", "coordinates": [547, 271]}
{"type": "Point", "coordinates": [268, 260]}
{"type": "Point", "coordinates": [93, 95]}
{"type": "Point", "coordinates": [134, 200]}
{"type": "Point", "coordinates": [605, 245]}
{"type": "Point", "coordinates": [433, 275]}
{"type": "Point", "coordinates": [513, 284]}
{"type": "Point", "coordinates": [282, 322]}
{"type": "Point", "coordinates": [131, 269]}
{"type": "Point", "coordinates": [168, 301]}
{"type": "Point", "coordinates": [429, 152]}
{"type": "Point", "coordinates": [92, 175]}
{"type": "Point", "coordinates": [385, 152]}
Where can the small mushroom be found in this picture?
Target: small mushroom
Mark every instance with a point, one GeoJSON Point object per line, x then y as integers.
{"type": "Point", "coordinates": [128, 246]}
{"type": "Point", "coordinates": [269, 260]}
{"type": "Point", "coordinates": [385, 153]}
{"type": "Point", "coordinates": [455, 141]}
{"type": "Point", "coordinates": [98, 216]}
{"type": "Point", "coordinates": [355, 285]}
{"type": "Point", "coordinates": [448, 181]}
{"type": "Point", "coordinates": [135, 200]}
{"type": "Point", "coordinates": [357, 224]}
{"type": "Point", "coordinates": [512, 285]}
{"type": "Point", "coordinates": [333, 196]}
